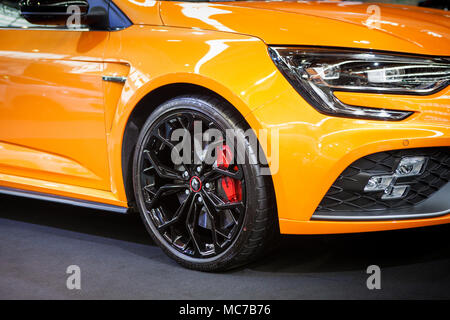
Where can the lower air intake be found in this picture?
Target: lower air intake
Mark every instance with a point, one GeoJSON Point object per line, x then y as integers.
{"type": "Point", "coordinates": [389, 184]}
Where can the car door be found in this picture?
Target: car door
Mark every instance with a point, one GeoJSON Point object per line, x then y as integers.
{"type": "Point", "coordinates": [52, 116]}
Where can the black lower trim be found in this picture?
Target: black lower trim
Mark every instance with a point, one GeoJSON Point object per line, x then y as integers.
{"type": "Point", "coordinates": [61, 199]}
{"type": "Point", "coordinates": [347, 192]}
{"type": "Point", "coordinates": [435, 206]}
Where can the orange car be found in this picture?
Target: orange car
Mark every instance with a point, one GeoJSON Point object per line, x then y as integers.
{"type": "Point", "coordinates": [340, 110]}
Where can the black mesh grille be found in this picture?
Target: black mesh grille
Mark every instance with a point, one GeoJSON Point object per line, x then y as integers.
{"type": "Point", "coordinates": [341, 197]}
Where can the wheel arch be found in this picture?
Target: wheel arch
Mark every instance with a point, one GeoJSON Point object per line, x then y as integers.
{"type": "Point", "coordinates": [145, 107]}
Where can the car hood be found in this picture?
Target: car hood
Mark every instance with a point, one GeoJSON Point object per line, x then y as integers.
{"type": "Point", "coordinates": [338, 24]}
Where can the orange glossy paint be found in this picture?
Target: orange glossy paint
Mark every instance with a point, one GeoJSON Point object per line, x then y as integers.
{"type": "Point", "coordinates": [62, 127]}
{"type": "Point", "coordinates": [335, 24]}
{"type": "Point", "coordinates": [52, 123]}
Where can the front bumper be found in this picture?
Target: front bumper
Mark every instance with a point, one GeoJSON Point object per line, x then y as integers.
{"type": "Point", "coordinates": [314, 149]}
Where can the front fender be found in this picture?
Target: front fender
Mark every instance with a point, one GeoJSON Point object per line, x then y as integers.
{"type": "Point", "coordinates": [237, 67]}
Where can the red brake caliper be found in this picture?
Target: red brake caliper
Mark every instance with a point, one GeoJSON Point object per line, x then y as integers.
{"type": "Point", "coordinates": [231, 187]}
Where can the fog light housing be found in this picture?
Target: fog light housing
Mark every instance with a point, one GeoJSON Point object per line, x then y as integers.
{"type": "Point", "coordinates": [408, 167]}
{"type": "Point", "coordinates": [379, 183]}
{"type": "Point", "coordinates": [395, 192]}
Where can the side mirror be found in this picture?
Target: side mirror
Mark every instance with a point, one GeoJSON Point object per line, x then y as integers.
{"type": "Point", "coordinates": [62, 12]}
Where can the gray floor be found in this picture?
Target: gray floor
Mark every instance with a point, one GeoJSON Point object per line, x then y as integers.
{"type": "Point", "coordinates": [39, 240]}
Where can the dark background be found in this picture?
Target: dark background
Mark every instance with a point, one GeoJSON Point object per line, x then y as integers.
{"type": "Point", "coordinates": [39, 240]}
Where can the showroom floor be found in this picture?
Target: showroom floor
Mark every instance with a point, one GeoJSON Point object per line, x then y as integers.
{"type": "Point", "coordinates": [117, 259]}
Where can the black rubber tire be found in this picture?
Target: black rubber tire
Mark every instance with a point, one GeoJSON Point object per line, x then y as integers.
{"type": "Point", "coordinates": [260, 225]}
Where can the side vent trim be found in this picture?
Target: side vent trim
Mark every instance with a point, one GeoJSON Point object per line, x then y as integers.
{"type": "Point", "coordinates": [114, 79]}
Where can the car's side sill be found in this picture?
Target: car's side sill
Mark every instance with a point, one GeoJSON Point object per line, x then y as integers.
{"type": "Point", "coordinates": [61, 199]}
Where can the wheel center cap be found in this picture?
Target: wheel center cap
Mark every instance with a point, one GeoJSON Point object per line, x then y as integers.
{"type": "Point", "coordinates": [195, 183]}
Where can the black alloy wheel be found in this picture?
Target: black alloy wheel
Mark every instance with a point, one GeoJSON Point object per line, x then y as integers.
{"type": "Point", "coordinates": [206, 214]}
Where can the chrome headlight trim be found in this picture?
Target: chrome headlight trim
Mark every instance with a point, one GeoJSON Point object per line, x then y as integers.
{"type": "Point", "coordinates": [317, 72]}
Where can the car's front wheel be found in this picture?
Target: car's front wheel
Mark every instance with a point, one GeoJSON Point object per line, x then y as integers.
{"type": "Point", "coordinates": [206, 215]}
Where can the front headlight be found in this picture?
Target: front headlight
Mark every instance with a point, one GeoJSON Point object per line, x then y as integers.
{"type": "Point", "coordinates": [317, 72]}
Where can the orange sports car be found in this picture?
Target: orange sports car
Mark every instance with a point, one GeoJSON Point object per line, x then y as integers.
{"type": "Point", "coordinates": [226, 123]}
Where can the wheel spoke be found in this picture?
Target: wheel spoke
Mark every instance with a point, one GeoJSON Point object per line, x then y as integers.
{"type": "Point", "coordinates": [210, 200]}
{"type": "Point", "coordinates": [149, 190]}
{"type": "Point", "coordinates": [211, 214]}
{"type": "Point", "coordinates": [164, 140]}
{"type": "Point", "coordinates": [228, 237]}
{"type": "Point", "coordinates": [187, 204]}
{"type": "Point", "coordinates": [217, 173]}
{"type": "Point", "coordinates": [161, 170]}
{"type": "Point", "coordinates": [231, 205]}
{"type": "Point", "coordinates": [189, 120]}
{"type": "Point", "coordinates": [190, 229]}
{"type": "Point", "coordinates": [213, 201]}
{"type": "Point", "coordinates": [219, 204]}
{"type": "Point", "coordinates": [164, 191]}
{"type": "Point", "coordinates": [237, 175]}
